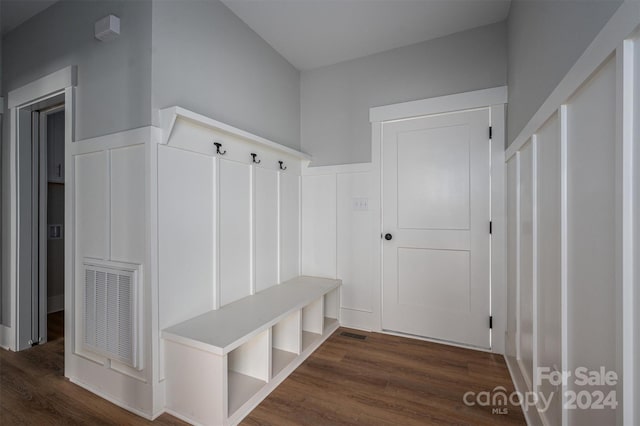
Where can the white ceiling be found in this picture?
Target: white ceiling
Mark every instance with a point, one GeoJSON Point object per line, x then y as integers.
{"type": "Point", "coordinates": [15, 12]}
{"type": "Point", "coordinates": [315, 33]}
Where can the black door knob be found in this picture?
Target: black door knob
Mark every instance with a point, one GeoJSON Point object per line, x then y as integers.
{"type": "Point", "coordinates": [388, 237]}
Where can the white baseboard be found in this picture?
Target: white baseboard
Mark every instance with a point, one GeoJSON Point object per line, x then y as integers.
{"type": "Point", "coordinates": [55, 303]}
{"type": "Point", "coordinates": [111, 399]}
{"type": "Point", "coordinates": [6, 338]}
{"type": "Point", "coordinates": [531, 416]}
{"type": "Point", "coordinates": [359, 320]}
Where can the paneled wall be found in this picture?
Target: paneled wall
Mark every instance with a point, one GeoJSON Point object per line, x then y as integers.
{"type": "Point", "coordinates": [340, 227]}
{"type": "Point", "coordinates": [567, 241]}
{"type": "Point", "coordinates": [227, 227]}
{"type": "Point", "coordinates": [109, 210]}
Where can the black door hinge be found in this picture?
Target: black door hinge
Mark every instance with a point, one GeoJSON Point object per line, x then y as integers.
{"type": "Point", "coordinates": [491, 321]}
{"type": "Point", "coordinates": [490, 132]}
{"type": "Point", "coordinates": [490, 227]}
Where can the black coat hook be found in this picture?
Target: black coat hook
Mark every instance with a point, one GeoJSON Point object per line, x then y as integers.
{"type": "Point", "coordinates": [254, 158]}
{"type": "Point", "coordinates": [281, 167]}
{"type": "Point", "coordinates": [218, 146]}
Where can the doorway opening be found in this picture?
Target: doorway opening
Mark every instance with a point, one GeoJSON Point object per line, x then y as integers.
{"type": "Point", "coordinates": [41, 200]}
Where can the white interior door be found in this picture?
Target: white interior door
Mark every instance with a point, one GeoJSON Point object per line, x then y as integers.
{"type": "Point", "coordinates": [436, 212]}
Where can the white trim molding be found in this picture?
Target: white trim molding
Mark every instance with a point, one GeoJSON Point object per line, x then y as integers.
{"type": "Point", "coordinates": [61, 82]}
{"type": "Point", "coordinates": [43, 87]}
{"type": "Point", "coordinates": [439, 105]}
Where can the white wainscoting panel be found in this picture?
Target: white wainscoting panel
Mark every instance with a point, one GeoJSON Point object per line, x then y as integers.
{"type": "Point", "coordinates": [186, 231]}
{"type": "Point", "coordinates": [127, 209]}
{"type": "Point", "coordinates": [548, 261]}
{"type": "Point", "coordinates": [341, 227]}
{"type": "Point", "coordinates": [512, 185]}
{"type": "Point", "coordinates": [319, 225]}
{"type": "Point", "coordinates": [234, 231]}
{"type": "Point", "coordinates": [355, 239]}
{"type": "Point", "coordinates": [91, 185]}
{"type": "Point", "coordinates": [635, 316]}
{"type": "Point", "coordinates": [265, 219]}
{"type": "Point", "coordinates": [289, 226]}
{"type": "Point", "coordinates": [592, 281]}
{"type": "Point", "coordinates": [571, 213]}
{"type": "Point", "coordinates": [526, 261]}
{"type": "Point", "coordinates": [108, 199]}
{"type": "Point", "coordinates": [587, 231]}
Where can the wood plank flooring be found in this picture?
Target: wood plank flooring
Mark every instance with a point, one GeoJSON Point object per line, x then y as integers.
{"type": "Point", "coordinates": [383, 380]}
{"type": "Point", "coordinates": [34, 391]}
{"type": "Point", "coordinates": [387, 380]}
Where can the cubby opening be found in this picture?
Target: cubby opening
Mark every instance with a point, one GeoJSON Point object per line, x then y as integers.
{"type": "Point", "coordinates": [331, 309]}
{"type": "Point", "coordinates": [248, 370]}
{"type": "Point", "coordinates": [312, 322]}
{"type": "Point", "coordinates": [285, 342]}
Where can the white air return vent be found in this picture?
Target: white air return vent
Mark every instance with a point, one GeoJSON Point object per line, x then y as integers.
{"type": "Point", "coordinates": [111, 310]}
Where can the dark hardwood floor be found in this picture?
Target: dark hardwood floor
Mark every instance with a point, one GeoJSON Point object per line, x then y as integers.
{"type": "Point", "coordinates": [34, 391]}
{"type": "Point", "coordinates": [387, 380]}
{"type": "Point", "coordinates": [383, 380]}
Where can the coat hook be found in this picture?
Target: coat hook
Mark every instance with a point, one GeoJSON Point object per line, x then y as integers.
{"type": "Point", "coordinates": [281, 167]}
{"type": "Point", "coordinates": [254, 158]}
{"type": "Point", "coordinates": [218, 146]}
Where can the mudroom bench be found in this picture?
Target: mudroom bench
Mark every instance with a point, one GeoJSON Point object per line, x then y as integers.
{"type": "Point", "coordinates": [222, 364]}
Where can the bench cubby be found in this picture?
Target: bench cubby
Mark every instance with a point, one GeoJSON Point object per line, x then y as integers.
{"type": "Point", "coordinates": [221, 364]}
{"type": "Point", "coordinates": [331, 308]}
{"type": "Point", "coordinates": [286, 342]}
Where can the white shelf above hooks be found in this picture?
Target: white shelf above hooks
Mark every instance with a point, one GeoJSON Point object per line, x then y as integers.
{"type": "Point", "coordinates": [169, 117]}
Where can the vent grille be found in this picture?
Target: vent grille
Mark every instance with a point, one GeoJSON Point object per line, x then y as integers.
{"type": "Point", "coordinates": [110, 310]}
{"type": "Point", "coordinates": [353, 335]}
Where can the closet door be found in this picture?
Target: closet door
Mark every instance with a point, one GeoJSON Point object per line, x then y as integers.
{"type": "Point", "coordinates": [234, 231]}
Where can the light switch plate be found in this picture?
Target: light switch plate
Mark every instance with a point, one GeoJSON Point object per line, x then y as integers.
{"type": "Point", "coordinates": [360, 204]}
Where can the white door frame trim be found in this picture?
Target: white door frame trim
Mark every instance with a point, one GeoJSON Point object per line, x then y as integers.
{"type": "Point", "coordinates": [60, 82]}
{"type": "Point", "coordinates": [494, 99]}
{"type": "Point", "coordinates": [439, 105]}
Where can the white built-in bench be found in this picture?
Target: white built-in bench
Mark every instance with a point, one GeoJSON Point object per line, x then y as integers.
{"type": "Point", "coordinates": [221, 364]}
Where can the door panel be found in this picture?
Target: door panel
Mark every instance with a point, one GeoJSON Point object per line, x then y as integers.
{"type": "Point", "coordinates": [436, 189]}
{"type": "Point", "coordinates": [433, 182]}
{"type": "Point", "coordinates": [444, 275]}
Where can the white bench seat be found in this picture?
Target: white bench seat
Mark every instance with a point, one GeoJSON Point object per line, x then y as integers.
{"type": "Point", "coordinates": [223, 363]}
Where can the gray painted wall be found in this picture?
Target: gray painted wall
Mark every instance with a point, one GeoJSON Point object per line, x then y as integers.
{"type": "Point", "coordinates": [545, 39]}
{"type": "Point", "coordinates": [114, 89]}
{"type": "Point", "coordinates": [335, 100]}
{"type": "Point", "coordinates": [207, 60]}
